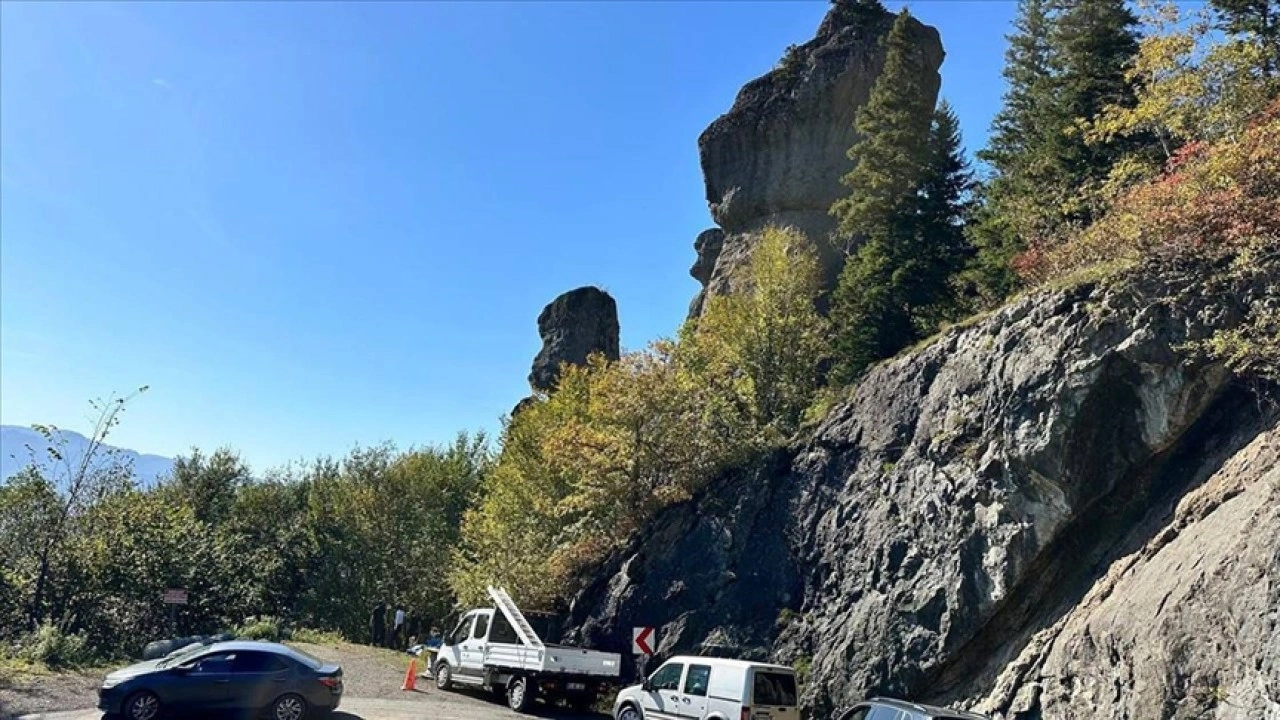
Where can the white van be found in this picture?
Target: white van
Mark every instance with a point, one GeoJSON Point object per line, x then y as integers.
{"type": "Point", "coordinates": [703, 688]}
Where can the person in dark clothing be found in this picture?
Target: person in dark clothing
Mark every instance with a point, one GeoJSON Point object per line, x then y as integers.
{"type": "Point", "coordinates": [378, 625]}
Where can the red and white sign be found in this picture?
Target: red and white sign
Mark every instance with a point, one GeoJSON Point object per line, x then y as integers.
{"type": "Point", "coordinates": [642, 640]}
{"type": "Point", "coordinates": [175, 597]}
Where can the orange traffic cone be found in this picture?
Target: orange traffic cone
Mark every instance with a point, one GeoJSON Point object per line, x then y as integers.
{"type": "Point", "coordinates": [411, 677]}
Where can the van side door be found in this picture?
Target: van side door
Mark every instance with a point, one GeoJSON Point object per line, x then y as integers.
{"type": "Point", "coordinates": [693, 697]}
{"type": "Point", "coordinates": [663, 697]}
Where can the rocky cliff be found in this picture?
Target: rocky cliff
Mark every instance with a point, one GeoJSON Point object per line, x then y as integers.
{"type": "Point", "coordinates": [777, 156]}
{"type": "Point", "coordinates": [1061, 510]}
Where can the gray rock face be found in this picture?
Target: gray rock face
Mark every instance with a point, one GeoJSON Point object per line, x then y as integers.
{"type": "Point", "coordinates": [777, 156]}
{"type": "Point", "coordinates": [573, 326]}
{"type": "Point", "coordinates": [1056, 512]}
{"type": "Point", "coordinates": [708, 246]}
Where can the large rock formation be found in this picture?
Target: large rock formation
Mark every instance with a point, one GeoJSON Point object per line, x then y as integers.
{"type": "Point", "coordinates": [778, 155]}
{"type": "Point", "coordinates": [573, 326]}
{"type": "Point", "coordinates": [1060, 511]}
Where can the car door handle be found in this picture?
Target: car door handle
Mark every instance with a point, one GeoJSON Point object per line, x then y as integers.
{"type": "Point", "coordinates": [686, 700]}
{"type": "Point", "coordinates": [223, 680]}
{"type": "Point", "coordinates": [675, 699]}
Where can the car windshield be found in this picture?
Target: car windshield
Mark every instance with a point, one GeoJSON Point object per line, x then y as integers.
{"type": "Point", "coordinates": [181, 657]}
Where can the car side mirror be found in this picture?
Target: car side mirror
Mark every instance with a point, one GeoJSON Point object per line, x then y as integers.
{"type": "Point", "coordinates": [647, 685]}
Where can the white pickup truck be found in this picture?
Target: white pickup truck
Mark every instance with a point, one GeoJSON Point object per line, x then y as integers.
{"type": "Point", "coordinates": [497, 649]}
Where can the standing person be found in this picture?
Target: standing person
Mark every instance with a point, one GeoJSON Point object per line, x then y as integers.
{"type": "Point", "coordinates": [378, 624]}
{"type": "Point", "coordinates": [398, 631]}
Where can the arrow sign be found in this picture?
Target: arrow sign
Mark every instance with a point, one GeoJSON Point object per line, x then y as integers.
{"type": "Point", "coordinates": [641, 640]}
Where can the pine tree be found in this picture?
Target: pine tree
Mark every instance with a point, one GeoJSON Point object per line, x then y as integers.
{"type": "Point", "coordinates": [1092, 44]}
{"type": "Point", "coordinates": [1259, 18]}
{"type": "Point", "coordinates": [1017, 126]}
{"type": "Point", "coordinates": [1007, 214]}
{"type": "Point", "coordinates": [898, 286]}
{"type": "Point", "coordinates": [944, 197]}
{"type": "Point", "coordinates": [1066, 61]}
{"type": "Point", "coordinates": [892, 150]}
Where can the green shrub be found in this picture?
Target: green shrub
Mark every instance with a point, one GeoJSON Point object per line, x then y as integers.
{"type": "Point", "coordinates": [265, 627]}
{"type": "Point", "coordinates": [317, 637]}
{"type": "Point", "coordinates": [52, 647]}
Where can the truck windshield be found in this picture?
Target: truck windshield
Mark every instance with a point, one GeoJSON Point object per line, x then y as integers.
{"type": "Point", "coordinates": [774, 688]}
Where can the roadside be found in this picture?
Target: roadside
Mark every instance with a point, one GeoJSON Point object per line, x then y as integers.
{"type": "Point", "coordinates": [29, 689]}
{"type": "Point", "coordinates": [372, 678]}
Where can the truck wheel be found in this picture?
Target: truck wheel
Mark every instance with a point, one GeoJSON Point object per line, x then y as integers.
{"type": "Point", "coordinates": [519, 694]}
{"type": "Point", "coordinates": [444, 676]}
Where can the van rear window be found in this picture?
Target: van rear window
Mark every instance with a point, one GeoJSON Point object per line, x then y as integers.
{"type": "Point", "coordinates": [773, 688]}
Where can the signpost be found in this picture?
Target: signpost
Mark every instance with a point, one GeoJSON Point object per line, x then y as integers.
{"type": "Point", "coordinates": [173, 597]}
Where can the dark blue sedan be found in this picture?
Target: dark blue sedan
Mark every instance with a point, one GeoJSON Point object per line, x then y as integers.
{"type": "Point", "coordinates": [239, 676]}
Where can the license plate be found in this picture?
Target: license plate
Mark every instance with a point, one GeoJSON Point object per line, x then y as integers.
{"type": "Point", "coordinates": [577, 686]}
{"type": "Point", "coordinates": [763, 716]}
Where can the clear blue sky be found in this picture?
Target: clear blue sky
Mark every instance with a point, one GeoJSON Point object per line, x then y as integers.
{"type": "Point", "coordinates": [309, 226]}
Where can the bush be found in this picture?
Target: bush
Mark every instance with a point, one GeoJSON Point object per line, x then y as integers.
{"type": "Point", "coordinates": [1214, 199]}
{"type": "Point", "coordinates": [265, 627]}
{"type": "Point", "coordinates": [317, 637]}
{"type": "Point", "coordinates": [52, 647]}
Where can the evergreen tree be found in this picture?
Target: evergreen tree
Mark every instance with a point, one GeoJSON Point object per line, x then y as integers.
{"type": "Point", "coordinates": [1067, 60]}
{"type": "Point", "coordinates": [1016, 128]}
{"type": "Point", "coordinates": [1259, 18]}
{"type": "Point", "coordinates": [854, 12]}
{"type": "Point", "coordinates": [1092, 45]}
{"type": "Point", "coordinates": [892, 150]}
{"type": "Point", "coordinates": [1007, 213]}
{"type": "Point", "coordinates": [944, 199]}
{"type": "Point", "coordinates": [898, 287]}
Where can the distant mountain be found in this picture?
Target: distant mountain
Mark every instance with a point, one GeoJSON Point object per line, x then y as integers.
{"type": "Point", "coordinates": [14, 455]}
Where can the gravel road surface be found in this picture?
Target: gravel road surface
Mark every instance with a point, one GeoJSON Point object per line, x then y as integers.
{"type": "Point", "coordinates": [372, 678]}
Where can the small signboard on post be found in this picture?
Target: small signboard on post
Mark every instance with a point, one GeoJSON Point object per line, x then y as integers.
{"type": "Point", "coordinates": [174, 596]}
{"type": "Point", "coordinates": [642, 641]}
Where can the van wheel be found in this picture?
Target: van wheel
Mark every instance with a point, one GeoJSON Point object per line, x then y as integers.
{"type": "Point", "coordinates": [444, 676]}
{"type": "Point", "coordinates": [629, 712]}
{"type": "Point", "coordinates": [519, 694]}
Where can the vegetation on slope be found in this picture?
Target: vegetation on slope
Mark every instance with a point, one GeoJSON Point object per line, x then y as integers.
{"type": "Point", "coordinates": [1111, 153]}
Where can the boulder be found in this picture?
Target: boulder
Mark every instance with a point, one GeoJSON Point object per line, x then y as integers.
{"type": "Point", "coordinates": [573, 326]}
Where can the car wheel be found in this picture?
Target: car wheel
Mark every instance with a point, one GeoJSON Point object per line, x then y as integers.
{"type": "Point", "coordinates": [289, 707]}
{"type": "Point", "coordinates": [519, 694]}
{"type": "Point", "coordinates": [142, 706]}
{"type": "Point", "coordinates": [444, 676]}
{"type": "Point", "coordinates": [629, 712]}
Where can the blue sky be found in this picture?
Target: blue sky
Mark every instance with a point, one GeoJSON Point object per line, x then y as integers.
{"type": "Point", "coordinates": [309, 226]}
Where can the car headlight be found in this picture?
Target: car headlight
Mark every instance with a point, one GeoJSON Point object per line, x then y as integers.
{"type": "Point", "coordinates": [110, 682]}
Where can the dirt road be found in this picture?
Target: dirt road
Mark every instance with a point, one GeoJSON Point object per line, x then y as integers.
{"type": "Point", "coordinates": [372, 678]}
{"type": "Point", "coordinates": [430, 704]}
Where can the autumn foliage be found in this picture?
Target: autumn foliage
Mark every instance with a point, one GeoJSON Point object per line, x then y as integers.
{"type": "Point", "coordinates": [1212, 199]}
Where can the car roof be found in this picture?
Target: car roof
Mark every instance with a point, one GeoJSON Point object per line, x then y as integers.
{"type": "Point", "coordinates": [729, 662]}
{"type": "Point", "coordinates": [926, 709]}
{"type": "Point", "coordinates": [262, 646]}
{"type": "Point", "coordinates": [258, 645]}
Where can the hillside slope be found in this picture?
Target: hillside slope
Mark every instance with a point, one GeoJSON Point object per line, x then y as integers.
{"type": "Point", "coordinates": [1059, 511]}
{"type": "Point", "coordinates": [16, 443]}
